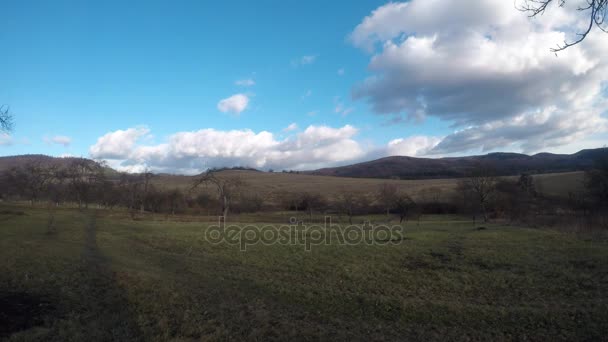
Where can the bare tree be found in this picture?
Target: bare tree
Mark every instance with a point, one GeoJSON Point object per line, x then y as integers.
{"type": "Point", "coordinates": [6, 119]}
{"type": "Point", "coordinates": [130, 186]}
{"type": "Point", "coordinates": [596, 9]}
{"type": "Point", "coordinates": [481, 186]}
{"type": "Point", "coordinates": [31, 180]}
{"type": "Point", "coordinates": [146, 176]}
{"type": "Point", "coordinates": [404, 205]}
{"type": "Point", "coordinates": [174, 201]}
{"type": "Point", "coordinates": [347, 203]}
{"type": "Point", "coordinates": [596, 184]}
{"type": "Point", "coordinates": [84, 177]}
{"type": "Point", "coordinates": [227, 188]}
{"type": "Point", "coordinates": [312, 201]}
{"type": "Point", "coordinates": [526, 184]}
{"type": "Point", "coordinates": [204, 201]}
{"type": "Point", "coordinates": [387, 194]}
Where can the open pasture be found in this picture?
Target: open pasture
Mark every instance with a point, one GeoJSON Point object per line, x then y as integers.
{"type": "Point", "coordinates": [98, 275]}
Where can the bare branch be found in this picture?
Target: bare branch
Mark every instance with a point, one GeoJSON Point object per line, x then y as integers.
{"type": "Point", "coordinates": [6, 119]}
{"type": "Point", "coordinates": [598, 10]}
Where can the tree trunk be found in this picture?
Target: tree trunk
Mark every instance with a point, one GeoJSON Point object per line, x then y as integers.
{"type": "Point", "coordinates": [225, 208]}
{"type": "Point", "coordinates": [484, 212]}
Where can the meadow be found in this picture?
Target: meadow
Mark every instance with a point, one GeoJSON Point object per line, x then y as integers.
{"type": "Point", "coordinates": [268, 183]}
{"type": "Point", "coordinates": [98, 275]}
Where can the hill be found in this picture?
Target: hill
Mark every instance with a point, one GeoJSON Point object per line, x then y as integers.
{"type": "Point", "coordinates": [22, 160]}
{"type": "Point", "coordinates": [505, 164]}
{"type": "Point", "coordinates": [556, 173]}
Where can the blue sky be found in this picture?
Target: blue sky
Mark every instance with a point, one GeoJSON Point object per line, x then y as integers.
{"type": "Point", "coordinates": [84, 69]}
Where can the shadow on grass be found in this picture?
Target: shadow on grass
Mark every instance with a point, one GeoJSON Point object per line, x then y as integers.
{"type": "Point", "coordinates": [104, 314]}
{"type": "Point", "coordinates": [20, 311]}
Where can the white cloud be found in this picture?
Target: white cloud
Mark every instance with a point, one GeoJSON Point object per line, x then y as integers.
{"type": "Point", "coordinates": [412, 146]}
{"type": "Point", "coordinates": [248, 82]}
{"type": "Point", "coordinates": [118, 144]}
{"type": "Point", "coordinates": [234, 104]}
{"type": "Point", "coordinates": [292, 127]}
{"type": "Point", "coordinates": [193, 152]}
{"type": "Point", "coordinates": [59, 140]}
{"type": "Point", "coordinates": [304, 60]}
{"type": "Point", "coordinates": [315, 147]}
{"type": "Point", "coordinates": [487, 69]}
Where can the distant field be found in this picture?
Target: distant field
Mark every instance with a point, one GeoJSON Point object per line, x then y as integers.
{"type": "Point", "coordinates": [556, 184]}
{"type": "Point", "coordinates": [100, 277]}
{"type": "Point", "coordinates": [560, 184]}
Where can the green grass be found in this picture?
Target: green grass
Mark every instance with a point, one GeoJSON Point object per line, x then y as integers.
{"type": "Point", "coordinates": [103, 277]}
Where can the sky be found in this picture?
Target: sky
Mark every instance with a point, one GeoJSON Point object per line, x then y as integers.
{"type": "Point", "coordinates": [181, 86]}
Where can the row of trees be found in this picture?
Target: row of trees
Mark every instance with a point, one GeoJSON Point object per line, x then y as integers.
{"type": "Point", "coordinates": [83, 182]}
{"type": "Point", "coordinates": [481, 195]}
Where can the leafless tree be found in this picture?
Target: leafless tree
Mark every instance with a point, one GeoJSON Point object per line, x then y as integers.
{"type": "Point", "coordinates": [130, 188]}
{"type": "Point", "coordinates": [227, 188]}
{"type": "Point", "coordinates": [386, 196]}
{"type": "Point", "coordinates": [84, 177]}
{"type": "Point", "coordinates": [312, 201]}
{"type": "Point", "coordinates": [404, 205]}
{"type": "Point", "coordinates": [481, 186]}
{"type": "Point", "coordinates": [249, 203]}
{"type": "Point", "coordinates": [596, 9]}
{"type": "Point", "coordinates": [205, 201]}
{"type": "Point", "coordinates": [289, 200]}
{"type": "Point", "coordinates": [31, 180]}
{"type": "Point", "coordinates": [596, 184]}
{"type": "Point", "coordinates": [6, 119]}
{"type": "Point", "coordinates": [145, 177]}
{"type": "Point", "coordinates": [526, 184]}
{"type": "Point", "coordinates": [347, 203]}
{"type": "Point", "coordinates": [174, 201]}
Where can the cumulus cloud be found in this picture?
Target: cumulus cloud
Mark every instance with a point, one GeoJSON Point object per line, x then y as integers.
{"type": "Point", "coordinates": [234, 104]}
{"type": "Point", "coordinates": [486, 69]}
{"type": "Point", "coordinates": [193, 152]}
{"type": "Point", "coordinates": [248, 82]}
{"type": "Point", "coordinates": [118, 144]}
{"type": "Point", "coordinates": [412, 146]}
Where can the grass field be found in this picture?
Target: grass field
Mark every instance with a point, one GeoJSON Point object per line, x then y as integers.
{"type": "Point", "coordinates": [101, 277]}
{"type": "Point", "coordinates": [265, 183]}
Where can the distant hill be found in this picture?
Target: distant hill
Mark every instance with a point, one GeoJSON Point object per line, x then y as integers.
{"type": "Point", "coordinates": [21, 160]}
{"type": "Point", "coordinates": [401, 167]}
{"type": "Point", "coordinates": [24, 159]}
{"type": "Point", "coordinates": [269, 183]}
{"type": "Point", "coordinates": [505, 164]}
